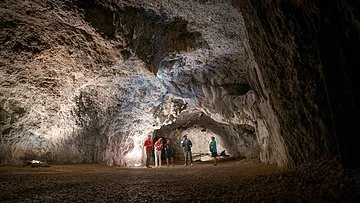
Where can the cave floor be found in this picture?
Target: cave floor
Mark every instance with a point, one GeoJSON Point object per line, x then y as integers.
{"type": "Point", "coordinates": [229, 181]}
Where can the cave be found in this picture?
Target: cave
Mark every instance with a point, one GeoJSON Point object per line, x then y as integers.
{"type": "Point", "coordinates": [83, 83]}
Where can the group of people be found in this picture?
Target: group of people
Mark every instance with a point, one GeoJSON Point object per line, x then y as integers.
{"type": "Point", "coordinates": [158, 147]}
{"type": "Point", "coordinates": [186, 144]}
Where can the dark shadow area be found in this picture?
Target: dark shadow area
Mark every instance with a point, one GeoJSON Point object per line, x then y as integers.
{"type": "Point", "coordinates": [316, 45]}
{"type": "Point", "coordinates": [144, 33]}
{"type": "Point", "coordinates": [339, 45]}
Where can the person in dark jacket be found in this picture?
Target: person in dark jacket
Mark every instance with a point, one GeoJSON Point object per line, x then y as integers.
{"type": "Point", "coordinates": [186, 145]}
{"type": "Point", "coordinates": [169, 152]}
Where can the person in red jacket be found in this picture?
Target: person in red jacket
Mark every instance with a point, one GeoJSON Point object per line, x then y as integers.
{"type": "Point", "coordinates": [158, 148]}
{"type": "Point", "coordinates": [148, 148]}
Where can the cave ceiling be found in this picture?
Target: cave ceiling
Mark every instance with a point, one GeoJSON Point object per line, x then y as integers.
{"type": "Point", "coordinates": [86, 82]}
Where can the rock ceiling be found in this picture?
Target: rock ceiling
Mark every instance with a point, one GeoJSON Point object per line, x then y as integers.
{"type": "Point", "coordinates": [86, 82]}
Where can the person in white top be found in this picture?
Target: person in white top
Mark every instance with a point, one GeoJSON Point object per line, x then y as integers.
{"type": "Point", "coordinates": [158, 148]}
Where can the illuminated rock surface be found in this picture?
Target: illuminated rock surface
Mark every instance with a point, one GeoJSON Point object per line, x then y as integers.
{"type": "Point", "coordinates": [86, 82]}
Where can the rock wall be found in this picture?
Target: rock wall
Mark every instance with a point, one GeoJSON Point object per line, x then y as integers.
{"type": "Point", "coordinates": [87, 81]}
{"type": "Point", "coordinates": [305, 53]}
{"type": "Point", "coordinates": [65, 102]}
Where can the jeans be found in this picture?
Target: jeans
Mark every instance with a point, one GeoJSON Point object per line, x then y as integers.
{"type": "Point", "coordinates": [186, 154]}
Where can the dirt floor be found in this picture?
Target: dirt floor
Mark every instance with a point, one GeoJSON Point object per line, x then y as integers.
{"type": "Point", "coordinates": [229, 181]}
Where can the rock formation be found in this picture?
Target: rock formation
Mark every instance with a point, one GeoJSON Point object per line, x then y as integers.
{"type": "Point", "coordinates": [87, 81]}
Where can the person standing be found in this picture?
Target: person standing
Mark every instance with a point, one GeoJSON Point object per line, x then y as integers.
{"type": "Point", "coordinates": [186, 144]}
{"type": "Point", "coordinates": [213, 149]}
{"type": "Point", "coordinates": [169, 152]}
{"type": "Point", "coordinates": [148, 148]}
{"type": "Point", "coordinates": [158, 148]}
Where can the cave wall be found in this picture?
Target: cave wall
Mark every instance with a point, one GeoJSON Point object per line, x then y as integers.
{"type": "Point", "coordinates": [87, 81]}
{"type": "Point", "coordinates": [340, 26]}
{"type": "Point", "coordinates": [65, 90]}
{"type": "Point", "coordinates": [305, 51]}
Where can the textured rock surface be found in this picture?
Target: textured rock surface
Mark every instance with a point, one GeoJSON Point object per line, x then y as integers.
{"type": "Point", "coordinates": [85, 82]}
{"type": "Point", "coordinates": [312, 83]}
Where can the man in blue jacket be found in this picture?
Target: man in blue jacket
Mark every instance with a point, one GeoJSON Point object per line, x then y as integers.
{"type": "Point", "coordinates": [213, 149]}
{"type": "Point", "coordinates": [186, 144]}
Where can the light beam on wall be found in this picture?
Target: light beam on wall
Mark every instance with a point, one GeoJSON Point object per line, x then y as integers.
{"type": "Point", "coordinates": [136, 155]}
